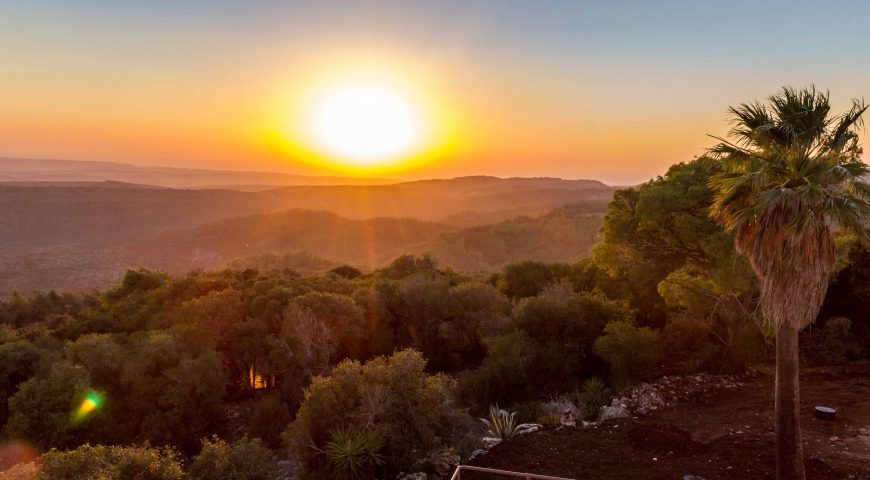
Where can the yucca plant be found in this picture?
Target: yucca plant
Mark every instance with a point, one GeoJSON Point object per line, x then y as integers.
{"type": "Point", "coordinates": [594, 396]}
{"type": "Point", "coordinates": [501, 423]}
{"type": "Point", "coordinates": [353, 454]}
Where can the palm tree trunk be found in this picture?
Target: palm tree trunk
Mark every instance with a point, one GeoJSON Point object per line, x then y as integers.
{"type": "Point", "coordinates": [789, 451]}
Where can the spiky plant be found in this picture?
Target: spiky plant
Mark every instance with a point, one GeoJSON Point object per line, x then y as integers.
{"type": "Point", "coordinates": [791, 172]}
{"type": "Point", "coordinates": [500, 424]}
{"type": "Point", "coordinates": [353, 454]}
{"type": "Point", "coordinates": [594, 396]}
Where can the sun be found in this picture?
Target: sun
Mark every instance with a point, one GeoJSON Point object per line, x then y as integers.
{"type": "Point", "coordinates": [365, 123]}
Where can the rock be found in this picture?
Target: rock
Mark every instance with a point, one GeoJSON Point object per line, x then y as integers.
{"type": "Point", "coordinates": [568, 418]}
{"type": "Point", "coordinates": [412, 476]}
{"type": "Point", "coordinates": [692, 477]}
{"type": "Point", "coordinates": [614, 410]}
{"type": "Point", "coordinates": [525, 428]}
{"type": "Point", "coordinates": [443, 461]}
{"type": "Point", "coordinates": [489, 442]}
{"type": "Point", "coordinates": [476, 453]}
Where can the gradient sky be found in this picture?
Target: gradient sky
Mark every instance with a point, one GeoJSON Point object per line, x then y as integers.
{"type": "Point", "coordinates": [615, 91]}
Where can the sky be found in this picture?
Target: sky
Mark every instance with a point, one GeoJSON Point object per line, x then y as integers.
{"type": "Point", "coordinates": [615, 91]}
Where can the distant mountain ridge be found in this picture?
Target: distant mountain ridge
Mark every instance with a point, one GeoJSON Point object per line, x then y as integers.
{"type": "Point", "coordinates": [77, 234]}
{"type": "Point", "coordinates": [51, 170]}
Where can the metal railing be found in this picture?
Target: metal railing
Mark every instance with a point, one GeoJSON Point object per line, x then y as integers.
{"type": "Point", "coordinates": [457, 475]}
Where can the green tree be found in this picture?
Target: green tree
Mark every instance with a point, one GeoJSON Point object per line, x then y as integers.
{"type": "Point", "coordinates": [665, 252]}
{"type": "Point", "coordinates": [19, 361]}
{"type": "Point", "coordinates": [42, 411]}
{"type": "Point", "coordinates": [244, 459]}
{"type": "Point", "coordinates": [631, 351]}
{"type": "Point", "coordinates": [790, 171]}
{"type": "Point", "coordinates": [173, 393]}
{"type": "Point", "coordinates": [392, 397]}
{"type": "Point", "coordinates": [111, 463]}
{"type": "Point", "coordinates": [563, 326]}
{"type": "Point", "coordinates": [526, 278]}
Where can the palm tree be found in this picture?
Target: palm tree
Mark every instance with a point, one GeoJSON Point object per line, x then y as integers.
{"type": "Point", "coordinates": [791, 172]}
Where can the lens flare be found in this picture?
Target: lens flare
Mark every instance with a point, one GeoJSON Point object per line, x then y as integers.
{"type": "Point", "coordinates": [91, 402]}
{"type": "Point", "coordinates": [13, 453]}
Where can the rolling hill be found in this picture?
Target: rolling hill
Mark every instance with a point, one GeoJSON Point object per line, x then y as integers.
{"type": "Point", "coordinates": [80, 234]}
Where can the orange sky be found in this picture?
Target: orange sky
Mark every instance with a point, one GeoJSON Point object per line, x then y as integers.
{"type": "Point", "coordinates": [575, 90]}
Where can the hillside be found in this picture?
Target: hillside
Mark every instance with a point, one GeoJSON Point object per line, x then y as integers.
{"type": "Point", "coordinates": [47, 215]}
{"type": "Point", "coordinates": [566, 234]}
{"type": "Point", "coordinates": [368, 243]}
{"type": "Point", "coordinates": [52, 170]}
{"type": "Point", "coordinates": [80, 235]}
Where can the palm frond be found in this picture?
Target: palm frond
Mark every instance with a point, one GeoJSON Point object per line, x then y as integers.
{"type": "Point", "coordinates": [790, 171]}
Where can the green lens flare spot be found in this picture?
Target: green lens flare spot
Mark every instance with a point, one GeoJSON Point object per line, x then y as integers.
{"type": "Point", "coordinates": [91, 402]}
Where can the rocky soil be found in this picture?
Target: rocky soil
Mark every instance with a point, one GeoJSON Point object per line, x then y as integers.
{"type": "Point", "coordinates": [703, 427]}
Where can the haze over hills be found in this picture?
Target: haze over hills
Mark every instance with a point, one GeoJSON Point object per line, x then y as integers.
{"type": "Point", "coordinates": [79, 234]}
{"type": "Point", "coordinates": [52, 170]}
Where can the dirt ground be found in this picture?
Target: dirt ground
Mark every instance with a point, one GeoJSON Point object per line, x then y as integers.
{"type": "Point", "coordinates": [722, 434]}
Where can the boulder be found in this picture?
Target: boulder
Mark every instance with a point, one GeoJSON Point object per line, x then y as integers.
{"type": "Point", "coordinates": [412, 476]}
{"type": "Point", "coordinates": [476, 453]}
{"type": "Point", "coordinates": [489, 442]}
{"type": "Point", "coordinates": [443, 461]}
{"type": "Point", "coordinates": [568, 418]}
{"type": "Point", "coordinates": [525, 428]}
{"type": "Point", "coordinates": [614, 410]}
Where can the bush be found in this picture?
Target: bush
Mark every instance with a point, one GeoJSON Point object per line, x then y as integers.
{"type": "Point", "coordinates": [391, 397]}
{"type": "Point", "coordinates": [681, 341]}
{"type": "Point", "coordinates": [111, 463]}
{"type": "Point", "coordinates": [243, 460]}
{"type": "Point", "coordinates": [526, 278]}
{"type": "Point", "coordinates": [40, 412]}
{"type": "Point", "coordinates": [551, 418]}
{"type": "Point", "coordinates": [593, 397]}
{"type": "Point", "coordinates": [631, 351]}
{"type": "Point", "coordinates": [562, 327]}
{"type": "Point", "coordinates": [502, 376]}
{"type": "Point", "coordinates": [832, 344]}
{"type": "Point", "coordinates": [347, 271]}
{"type": "Point", "coordinates": [269, 418]}
{"type": "Point", "coordinates": [21, 471]}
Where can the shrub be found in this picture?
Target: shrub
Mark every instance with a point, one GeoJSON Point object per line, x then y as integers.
{"type": "Point", "coordinates": [526, 278]}
{"type": "Point", "coordinates": [353, 454]}
{"type": "Point", "coordinates": [631, 351]}
{"type": "Point", "coordinates": [552, 418]}
{"type": "Point", "coordinates": [111, 462]}
{"type": "Point", "coordinates": [834, 343]}
{"type": "Point", "coordinates": [392, 397]}
{"type": "Point", "coordinates": [269, 418]}
{"type": "Point", "coordinates": [553, 410]}
{"type": "Point", "coordinates": [243, 460]}
{"type": "Point", "coordinates": [347, 271]}
{"type": "Point", "coordinates": [504, 371]}
{"type": "Point", "coordinates": [682, 339]}
{"type": "Point", "coordinates": [500, 424]}
{"type": "Point", "coordinates": [21, 471]}
{"type": "Point", "coordinates": [562, 328]}
{"type": "Point", "coordinates": [593, 397]}
{"type": "Point", "coordinates": [527, 410]}
{"type": "Point", "coordinates": [41, 409]}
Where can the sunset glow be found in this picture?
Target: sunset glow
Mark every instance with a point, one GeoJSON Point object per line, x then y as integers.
{"type": "Point", "coordinates": [365, 123]}
{"type": "Point", "coordinates": [492, 88]}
